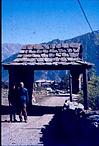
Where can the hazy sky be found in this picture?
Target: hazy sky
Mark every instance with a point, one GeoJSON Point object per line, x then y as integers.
{"type": "Point", "coordinates": [36, 21]}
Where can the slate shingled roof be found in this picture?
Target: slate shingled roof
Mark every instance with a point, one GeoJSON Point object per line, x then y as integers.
{"type": "Point", "coordinates": [54, 54]}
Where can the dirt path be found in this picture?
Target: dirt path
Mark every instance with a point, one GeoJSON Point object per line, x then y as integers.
{"type": "Point", "coordinates": [28, 133]}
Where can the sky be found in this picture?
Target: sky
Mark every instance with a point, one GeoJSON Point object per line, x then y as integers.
{"type": "Point", "coordinates": [37, 21]}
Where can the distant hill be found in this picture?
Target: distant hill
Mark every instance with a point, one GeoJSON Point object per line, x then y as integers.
{"type": "Point", "coordinates": [90, 43]}
{"type": "Point", "coordinates": [10, 49]}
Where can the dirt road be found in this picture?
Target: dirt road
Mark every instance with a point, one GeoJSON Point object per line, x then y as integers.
{"type": "Point", "coordinates": [30, 133]}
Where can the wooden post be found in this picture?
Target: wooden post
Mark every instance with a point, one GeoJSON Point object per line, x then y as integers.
{"type": "Point", "coordinates": [70, 86]}
{"type": "Point", "coordinates": [32, 85]}
{"type": "Point", "coordinates": [85, 93]}
{"type": "Point", "coordinates": [75, 81]}
{"type": "Point", "coordinates": [30, 80]}
{"type": "Point", "coordinates": [11, 78]}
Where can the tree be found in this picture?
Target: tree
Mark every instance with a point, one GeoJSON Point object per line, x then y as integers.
{"type": "Point", "coordinates": [93, 93]}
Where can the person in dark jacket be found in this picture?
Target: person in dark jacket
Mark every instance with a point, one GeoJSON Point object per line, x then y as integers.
{"type": "Point", "coordinates": [23, 101]}
{"type": "Point", "coordinates": [12, 97]}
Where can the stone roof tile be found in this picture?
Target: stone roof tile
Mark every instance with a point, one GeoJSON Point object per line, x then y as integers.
{"type": "Point", "coordinates": [40, 60]}
{"type": "Point", "coordinates": [63, 59]}
{"type": "Point", "coordinates": [29, 47]}
{"type": "Point", "coordinates": [61, 50]}
{"type": "Point", "coordinates": [38, 46]}
{"type": "Point", "coordinates": [65, 45]}
{"type": "Point", "coordinates": [51, 55]}
{"type": "Point", "coordinates": [45, 51]}
{"type": "Point", "coordinates": [45, 46]}
{"type": "Point", "coordinates": [36, 55]}
{"type": "Point", "coordinates": [44, 55]}
{"type": "Point", "coordinates": [58, 54]}
{"type": "Point", "coordinates": [39, 51]}
{"type": "Point", "coordinates": [58, 46]}
{"type": "Point", "coordinates": [48, 59]}
{"type": "Point", "coordinates": [52, 46]}
{"type": "Point", "coordinates": [56, 59]}
{"type": "Point", "coordinates": [75, 45]}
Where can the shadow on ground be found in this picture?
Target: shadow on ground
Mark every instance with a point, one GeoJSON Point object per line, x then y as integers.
{"type": "Point", "coordinates": [5, 110]}
{"type": "Point", "coordinates": [67, 129]}
{"type": "Point", "coordinates": [34, 110]}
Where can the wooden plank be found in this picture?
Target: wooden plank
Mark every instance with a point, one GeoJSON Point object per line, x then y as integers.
{"type": "Point", "coordinates": [85, 93]}
{"type": "Point", "coordinates": [70, 86]}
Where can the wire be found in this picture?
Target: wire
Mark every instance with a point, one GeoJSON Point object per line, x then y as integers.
{"type": "Point", "coordinates": [85, 15]}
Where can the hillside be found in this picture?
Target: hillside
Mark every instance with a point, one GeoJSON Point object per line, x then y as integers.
{"type": "Point", "coordinates": [90, 43]}
{"type": "Point", "coordinates": [9, 50]}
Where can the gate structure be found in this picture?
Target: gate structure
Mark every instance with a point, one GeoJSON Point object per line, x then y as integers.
{"type": "Point", "coordinates": [63, 56]}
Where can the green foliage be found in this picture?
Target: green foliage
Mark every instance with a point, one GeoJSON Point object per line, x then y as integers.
{"type": "Point", "coordinates": [65, 81]}
{"type": "Point", "coordinates": [93, 93]}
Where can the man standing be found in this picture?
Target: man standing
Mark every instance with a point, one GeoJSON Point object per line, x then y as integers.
{"type": "Point", "coordinates": [23, 100]}
{"type": "Point", "coordinates": [12, 97]}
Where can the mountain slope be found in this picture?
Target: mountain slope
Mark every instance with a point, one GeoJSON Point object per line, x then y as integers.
{"type": "Point", "coordinates": [10, 49]}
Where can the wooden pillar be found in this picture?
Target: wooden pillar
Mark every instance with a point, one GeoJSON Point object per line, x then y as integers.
{"type": "Point", "coordinates": [70, 86]}
{"type": "Point", "coordinates": [32, 85]}
{"type": "Point", "coordinates": [75, 81]}
{"type": "Point", "coordinates": [85, 93]}
{"type": "Point", "coordinates": [28, 80]}
{"type": "Point", "coordinates": [11, 78]}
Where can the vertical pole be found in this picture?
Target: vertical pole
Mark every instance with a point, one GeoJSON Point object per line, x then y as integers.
{"type": "Point", "coordinates": [75, 81]}
{"type": "Point", "coordinates": [70, 86]}
{"type": "Point", "coordinates": [85, 93]}
{"type": "Point", "coordinates": [11, 78]}
{"type": "Point", "coordinates": [32, 85]}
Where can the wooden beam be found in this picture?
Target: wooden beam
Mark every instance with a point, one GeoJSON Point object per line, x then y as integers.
{"type": "Point", "coordinates": [70, 86]}
{"type": "Point", "coordinates": [85, 93]}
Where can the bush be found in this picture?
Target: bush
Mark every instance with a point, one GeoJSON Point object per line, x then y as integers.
{"type": "Point", "coordinates": [93, 93]}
